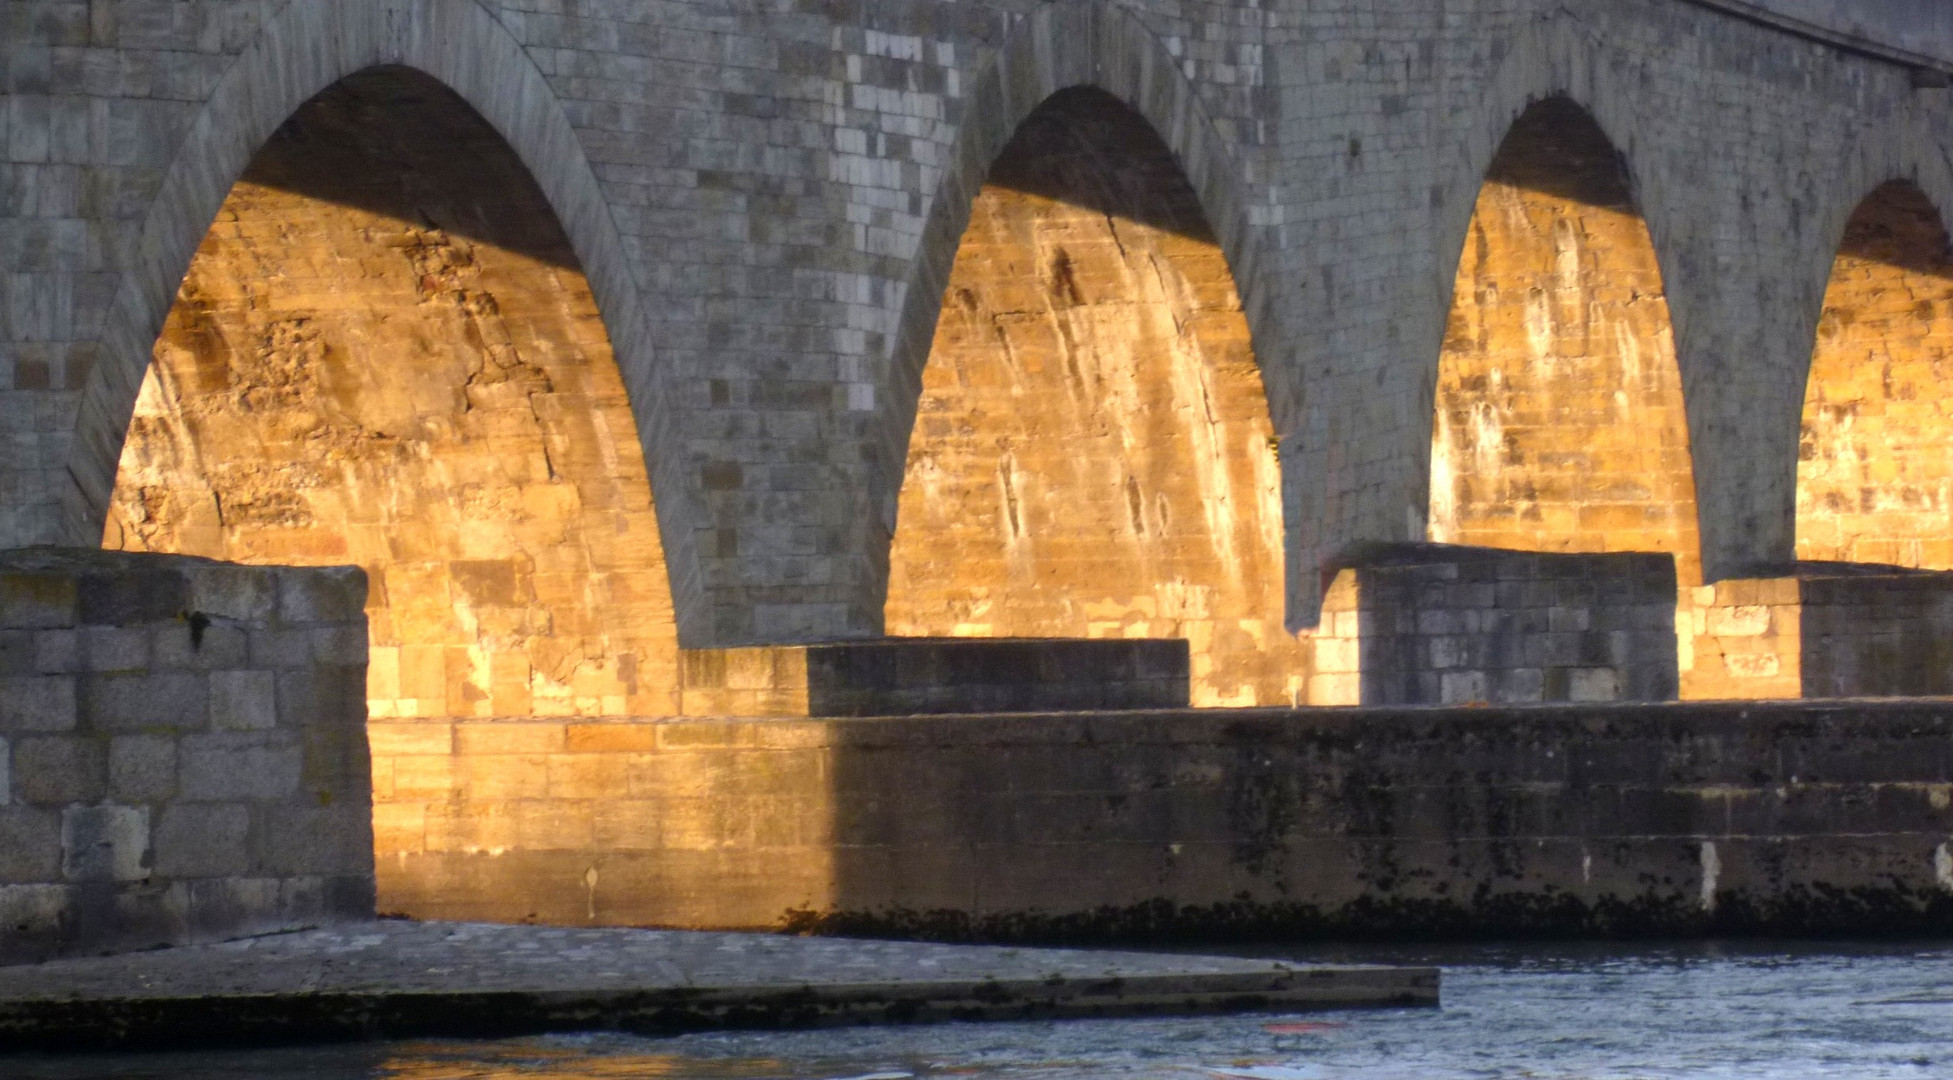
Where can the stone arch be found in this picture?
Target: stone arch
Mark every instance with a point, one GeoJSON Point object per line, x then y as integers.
{"type": "Point", "coordinates": [1552, 59]}
{"type": "Point", "coordinates": [1559, 422]}
{"type": "Point", "coordinates": [385, 352]}
{"type": "Point", "coordinates": [1899, 149]}
{"type": "Point", "coordinates": [1345, 511]}
{"type": "Point", "coordinates": [1074, 43]}
{"type": "Point", "coordinates": [1121, 418]}
{"type": "Point", "coordinates": [300, 51]}
{"type": "Point", "coordinates": [1873, 485]}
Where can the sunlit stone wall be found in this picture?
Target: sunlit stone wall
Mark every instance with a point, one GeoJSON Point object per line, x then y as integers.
{"type": "Point", "coordinates": [1875, 468]}
{"type": "Point", "coordinates": [1092, 455]}
{"type": "Point", "coordinates": [385, 354]}
{"type": "Point", "coordinates": [1559, 404]}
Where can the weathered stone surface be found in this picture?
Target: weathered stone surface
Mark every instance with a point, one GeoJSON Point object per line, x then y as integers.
{"type": "Point", "coordinates": [1436, 624]}
{"type": "Point", "coordinates": [1560, 424]}
{"type": "Point", "coordinates": [1873, 480]}
{"type": "Point", "coordinates": [767, 212]}
{"type": "Point", "coordinates": [1824, 817]}
{"type": "Point", "coordinates": [393, 343]}
{"type": "Point", "coordinates": [1092, 454]}
{"type": "Point", "coordinates": [385, 353]}
{"type": "Point", "coordinates": [171, 800]}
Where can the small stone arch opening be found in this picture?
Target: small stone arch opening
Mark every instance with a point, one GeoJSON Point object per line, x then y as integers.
{"type": "Point", "coordinates": [1092, 453]}
{"type": "Point", "coordinates": [1559, 412]}
{"type": "Point", "coordinates": [385, 353]}
{"type": "Point", "coordinates": [1874, 471]}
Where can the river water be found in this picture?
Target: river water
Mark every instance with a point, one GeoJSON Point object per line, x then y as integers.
{"type": "Point", "coordinates": [1748, 1011]}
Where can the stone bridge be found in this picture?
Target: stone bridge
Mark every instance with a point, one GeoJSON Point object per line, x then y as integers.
{"type": "Point", "coordinates": [594, 329]}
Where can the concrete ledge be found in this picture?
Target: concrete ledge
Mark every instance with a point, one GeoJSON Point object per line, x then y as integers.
{"type": "Point", "coordinates": [409, 980]}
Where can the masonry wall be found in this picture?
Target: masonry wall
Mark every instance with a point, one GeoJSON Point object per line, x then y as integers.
{"type": "Point", "coordinates": [1835, 630]}
{"type": "Point", "coordinates": [1092, 454]}
{"type": "Point", "coordinates": [1741, 639]}
{"type": "Point", "coordinates": [766, 210]}
{"type": "Point", "coordinates": [1885, 636]}
{"type": "Point", "coordinates": [1614, 819]}
{"type": "Point", "coordinates": [1560, 423]}
{"type": "Point", "coordinates": [1873, 480]}
{"type": "Point", "coordinates": [182, 751]}
{"type": "Point", "coordinates": [1431, 624]}
{"type": "Point", "coordinates": [385, 353]}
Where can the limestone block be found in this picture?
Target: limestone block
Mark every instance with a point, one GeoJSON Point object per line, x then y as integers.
{"type": "Point", "coordinates": [37, 600]}
{"type": "Point", "coordinates": [30, 844]}
{"type": "Point", "coordinates": [326, 595]}
{"type": "Point", "coordinates": [215, 906]}
{"type": "Point", "coordinates": [54, 770]}
{"type": "Point", "coordinates": [17, 653]}
{"type": "Point", "coordinates": [219, 768]}
{"type": "Point", "coordinates": [246, 594]}
{"type": "Point", "coordinates": [204, 840]}
{"type": "Point", "coordinates": [1593, 684]}
{"type": "Point", "coordinates": [322, 695]}
{"type": "Point", "coordinates": [31, 911]}
{"type": "Point", "coordinates": [105, 843]}
{"type": "Point", "coordinates": [199, 643]}
{"type": "Point", "coordinates": [57, 652]}
{"type": "Point", "coordinates": [130, 596]}
{"type": "Point", "coordinates": [37, 704]}
{"type": "Point", "coordinates": [136, 702]}
{"type": "Point", "coordinates": [243, 700]}
{"type": "Point", "coordinates": [113, 648]}
{"type": "Point", "coordinates": [142, 768]}
{"type": "Point", "coordinates": [391, 739]}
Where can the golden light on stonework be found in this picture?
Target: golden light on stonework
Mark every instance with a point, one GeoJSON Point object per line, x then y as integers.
{"type": "Point", "coordinates": [1090, 455]}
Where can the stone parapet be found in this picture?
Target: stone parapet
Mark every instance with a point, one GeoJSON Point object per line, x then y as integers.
{"type": "Point", "coordinates": [933, 676]}
{"type": "Point", "coordinates": [1438, 624]}
{"type": "Point", "coordinates": [1906, 31]}
{"type": "Point", "coordinates": [182, 751]}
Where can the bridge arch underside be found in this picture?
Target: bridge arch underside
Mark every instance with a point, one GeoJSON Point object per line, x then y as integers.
{"type": "Point", "coordinates": [1092, 454]}
{"type": "Point", "coordinates": [1874, 474]}
{"type": "Point", "coordinates": [385, 353]}
{"type": "Point", "coordinates": [1559, 412]}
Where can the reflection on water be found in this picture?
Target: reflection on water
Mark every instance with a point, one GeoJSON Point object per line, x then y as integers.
{"type": "Point", "coordinates": [1573, 1013]}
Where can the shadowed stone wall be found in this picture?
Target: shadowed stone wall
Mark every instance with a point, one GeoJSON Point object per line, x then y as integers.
{"type": "Point", "coordinates": [1092, 454]}
{"type": "Point", "coordinates": [1433, 624]}
{"type": "Point", "coordinates": [182, 751]}
{"type": "Point", "coordinates": [1604, 819]}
